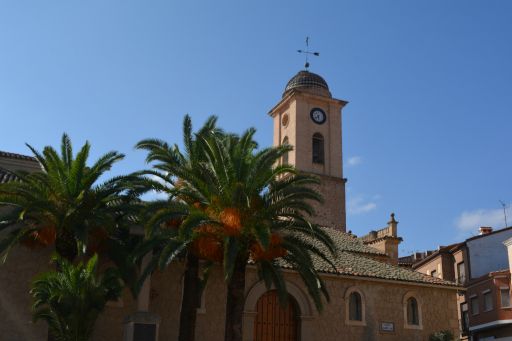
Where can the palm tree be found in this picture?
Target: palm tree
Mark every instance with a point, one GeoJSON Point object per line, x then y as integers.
{"type": "Point", "coordinates": [245, 208]}
{"type": "Point", "coordinates": [65, 204]}
{"type": "Point", "coordinates": [170, 164]}
{"type": "Point", "coordinates": [258, 212]}
{"type": "Point", "coordinates": [71, 299]}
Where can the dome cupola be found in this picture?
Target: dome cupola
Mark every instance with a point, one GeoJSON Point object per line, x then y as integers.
{"type": "Point", "coordinates": [308, 82]}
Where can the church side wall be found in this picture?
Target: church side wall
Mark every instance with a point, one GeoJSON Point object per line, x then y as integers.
{"type": "Point", "coordinates": [383, 302]}
{"type": "Point", "coordinates": [16, 276]}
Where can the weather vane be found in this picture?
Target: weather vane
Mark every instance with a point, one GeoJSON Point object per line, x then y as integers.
{"type": "Point", "coordinates": [307, 53]}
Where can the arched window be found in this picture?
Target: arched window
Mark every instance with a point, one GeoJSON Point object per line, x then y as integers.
{"type": "Point", "coordinates": [285, 156]}
{"type": "Point", "coordinates": [413, 316]}
{"type": "Point", "coordinates": [412, 311]}
{"type": "Point", "coordinates": [355, 309]}
{"type": "Point", "coordinates": [318, 148]}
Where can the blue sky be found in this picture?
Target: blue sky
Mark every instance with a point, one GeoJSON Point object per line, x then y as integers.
{"type": "Point", "coordinates": [426, 132]}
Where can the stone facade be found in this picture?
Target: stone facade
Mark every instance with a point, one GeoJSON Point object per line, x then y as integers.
{"type": "Point", "coordinates": [383, 302]}
{"type": "Point", "coordinates": [16, 276]}
{"type": "Point", "coordinates": [293, 123]}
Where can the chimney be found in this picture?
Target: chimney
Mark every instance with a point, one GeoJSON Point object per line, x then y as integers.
{"type": "Point", "coordinates": [485, 230]}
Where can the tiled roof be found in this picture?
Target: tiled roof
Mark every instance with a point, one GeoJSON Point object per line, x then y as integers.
{"type": "Point", "coordinates": [441, 250]}
{"type": "Point", "coordinates": [349, 242]}
{"type": "Point", "coordinates": [355, 259]}
{"type": "Point", "coordinates": [16, 156]}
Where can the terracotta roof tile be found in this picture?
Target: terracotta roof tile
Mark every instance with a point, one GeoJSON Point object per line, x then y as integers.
{"type": "Point", "coordinates": [16, 156]}
{"type": "Point", "coordinates": [354, 259]}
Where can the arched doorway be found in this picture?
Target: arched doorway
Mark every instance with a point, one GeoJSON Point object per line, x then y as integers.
{"type": "Point", "coordinates": [276, 323]}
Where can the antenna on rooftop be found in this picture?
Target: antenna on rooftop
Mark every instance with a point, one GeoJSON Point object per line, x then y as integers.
{"type": "Point", "coordinates": [307, 53]}
{"type": "Point", "coordinates": [504, 211]}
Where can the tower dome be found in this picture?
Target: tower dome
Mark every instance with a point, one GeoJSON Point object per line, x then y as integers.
{"type": "Point", "coordinates": [309, 82]}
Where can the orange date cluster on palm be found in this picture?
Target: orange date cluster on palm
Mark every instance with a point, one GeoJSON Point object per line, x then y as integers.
{"type": "Point", "coordinates": [38, 239]}
{"type": "Point", "coordinates": [208, 245]}
{"type": "Point", "coordinates": [173, 223]}
{"type": "Point", "coordinates": [231, 219]}
{"type": "Point", "coordinates": [274, 250]}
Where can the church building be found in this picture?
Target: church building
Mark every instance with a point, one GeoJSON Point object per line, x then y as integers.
{"type": "Point", "coordinates": [371, 297]}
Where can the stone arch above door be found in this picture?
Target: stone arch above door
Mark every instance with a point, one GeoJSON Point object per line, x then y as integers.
{"type": "Point", "coordinates": [250, 309]}
{"type": "Point", "coordinates": [259, 289]}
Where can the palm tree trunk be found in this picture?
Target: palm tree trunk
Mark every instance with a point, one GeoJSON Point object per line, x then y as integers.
{"type": "Point", "coordinates": [66, 245]}
{"type": "Point", "coordinates": [235, 301]}
{"type": "Point", "coordinates": [191, 299]}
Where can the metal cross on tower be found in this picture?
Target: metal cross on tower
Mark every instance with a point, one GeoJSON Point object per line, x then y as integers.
{"type": "Point", "coordinates": [307, 53]}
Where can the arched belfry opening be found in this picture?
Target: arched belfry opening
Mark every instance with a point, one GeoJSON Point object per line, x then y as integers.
{"type": "Point", "coordinates": [285, 156]}
{"type": "Point", "coordinates": [318, 148]}
{"type": "Point", "coordinates": [274, 322]}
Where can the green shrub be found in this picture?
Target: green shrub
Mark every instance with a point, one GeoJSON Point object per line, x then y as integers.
{"type": "Point", "coordinates": [71, 299]}
{"type": "Point", "coordinates": [444, 335]}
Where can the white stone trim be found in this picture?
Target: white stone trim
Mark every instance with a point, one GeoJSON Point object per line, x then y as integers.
{"type": "Point", "coordinates": [414, 295]}
{"type": "Point", "coordinates": [259, 289]}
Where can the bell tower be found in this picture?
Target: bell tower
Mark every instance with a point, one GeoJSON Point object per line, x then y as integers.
{"type": "Point", "coordinates": [309, 119]}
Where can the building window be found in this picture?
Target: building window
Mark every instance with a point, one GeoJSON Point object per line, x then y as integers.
{"type": "Point", "coordinates": [474, 305]}
{"type": "Point", "coordinates": [354, 307]}
{"type": "Point", "coordinates": [355, 312]}
{"type": "Point", "coordinates": [318, 148]}
{"type": "Point", "coordinates": [505, 297]}
{"type": "Point", "coordinates": [488, 301]}
{"type": "Point", "coordinates": [412, 311]}
{"type": "Point", "coordinates": [461, 273]}
{"type": "Point", "coordinates": [413, 317]}
{"type": "Point", "coordinates": [285, 156]}
{"type": "Point", "coordinates": [464, 318]}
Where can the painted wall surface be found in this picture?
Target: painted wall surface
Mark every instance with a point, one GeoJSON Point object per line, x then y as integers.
{"type": "Point", "coordinates": [488, 253]}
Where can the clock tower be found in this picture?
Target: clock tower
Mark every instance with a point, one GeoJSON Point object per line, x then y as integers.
{"type": "Point", "coordinates": [309, 119]}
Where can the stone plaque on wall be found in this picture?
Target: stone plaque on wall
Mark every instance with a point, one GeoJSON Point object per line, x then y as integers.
{"type": "Point", "coordinates": [387, 327]}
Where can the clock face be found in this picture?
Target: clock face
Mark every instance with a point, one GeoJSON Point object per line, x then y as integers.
{"type": "Point", "coordinates": [318, 115]}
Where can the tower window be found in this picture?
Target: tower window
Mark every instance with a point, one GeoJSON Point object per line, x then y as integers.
{"type": "Point", "coordinates": [318, 148]}
{"type": "Point", "coordinates": [285, 156]}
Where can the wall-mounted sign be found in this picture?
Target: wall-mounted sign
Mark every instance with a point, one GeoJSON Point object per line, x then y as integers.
{"type": "Point", "coordinates": [387, 327]}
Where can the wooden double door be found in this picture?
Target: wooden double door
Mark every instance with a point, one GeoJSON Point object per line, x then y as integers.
{"type": "Point", "coordinates": [276, 323]}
